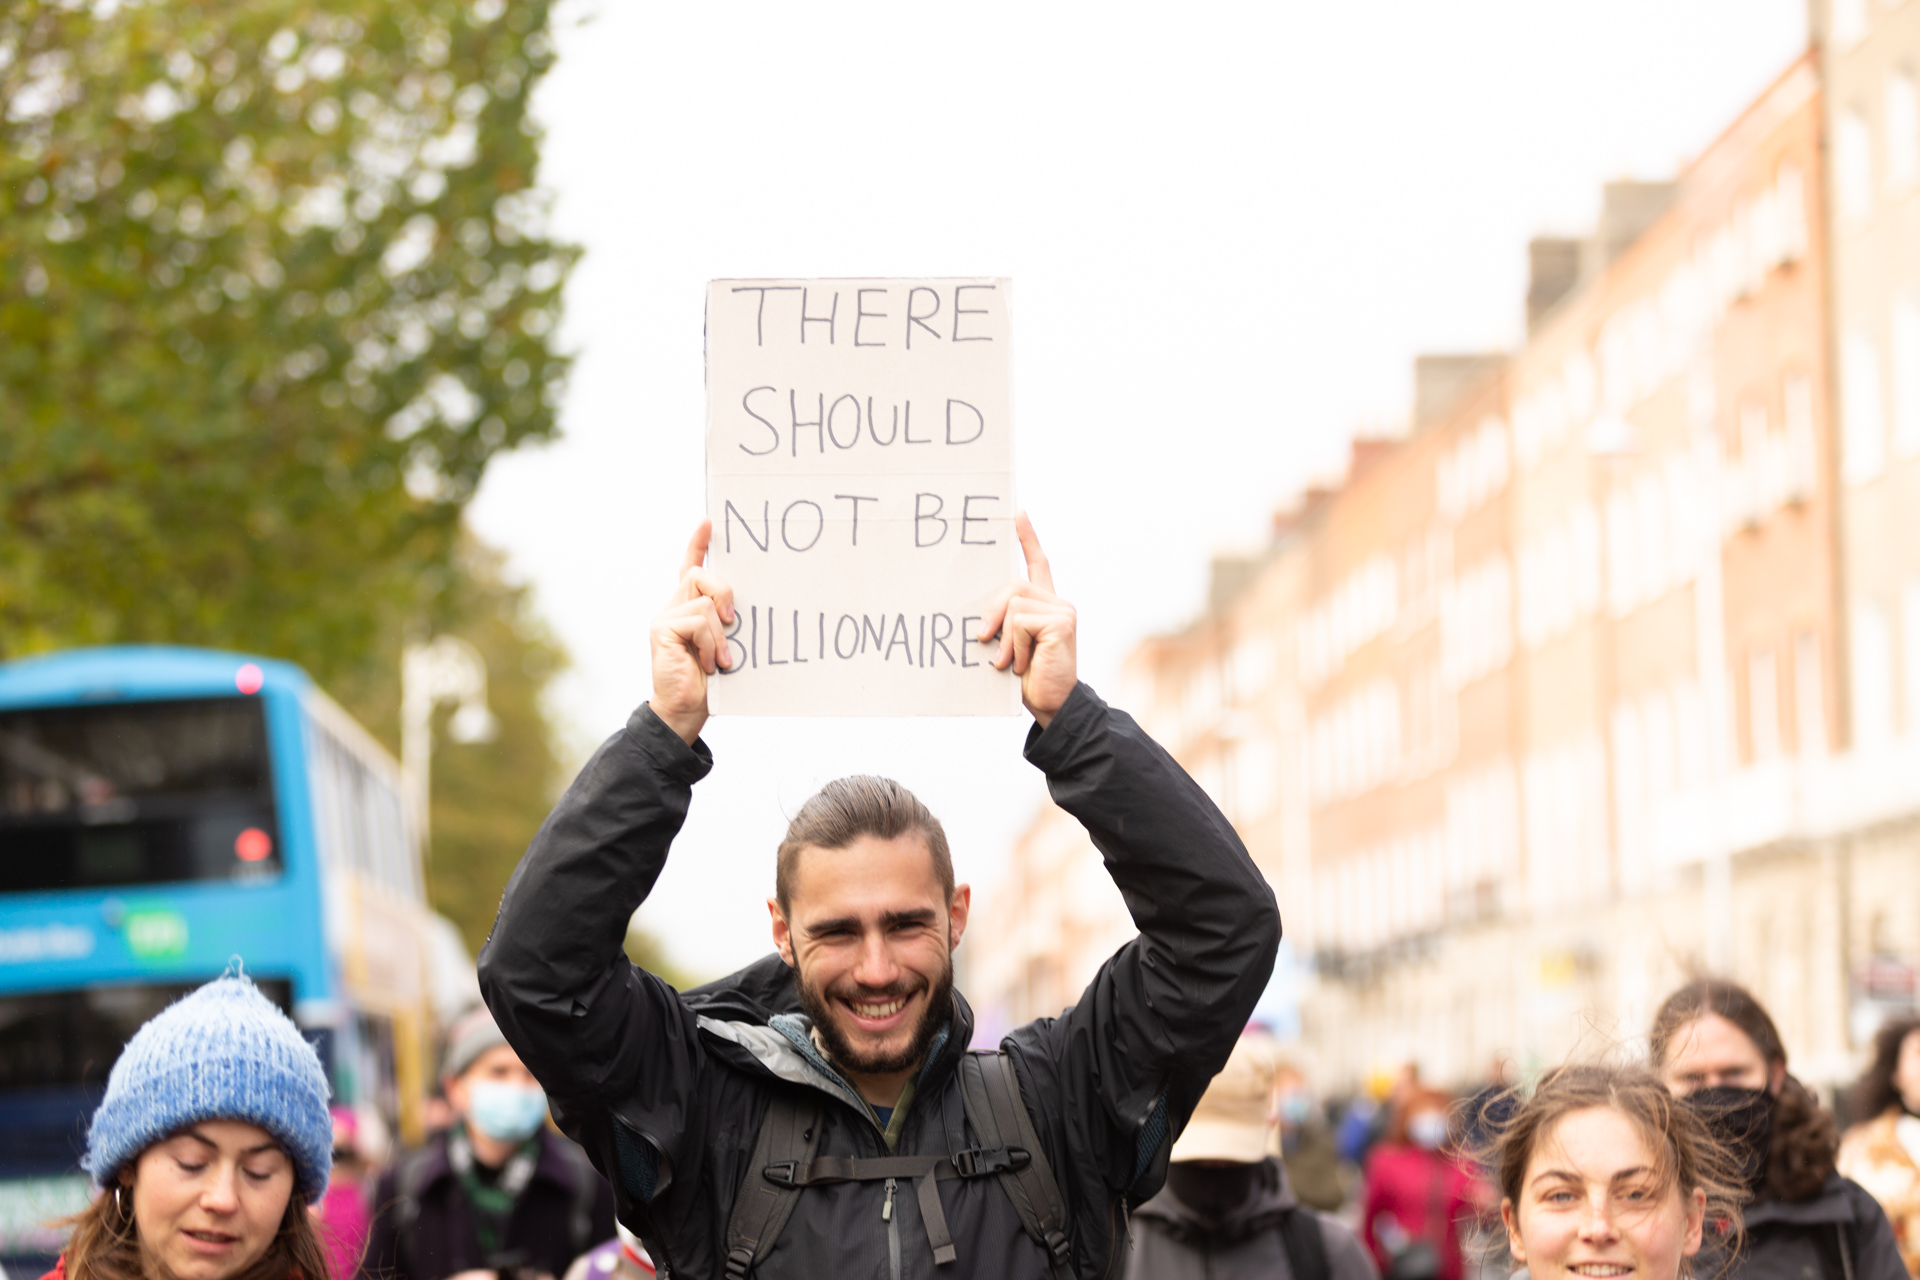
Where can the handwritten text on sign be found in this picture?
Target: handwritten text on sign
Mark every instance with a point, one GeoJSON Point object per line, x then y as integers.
{"type": "Point", "coordinates": [860, 483]}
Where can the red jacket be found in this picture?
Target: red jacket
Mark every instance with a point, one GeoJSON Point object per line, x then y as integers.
{"type": "Point", "coordinates": [1427, 1194]}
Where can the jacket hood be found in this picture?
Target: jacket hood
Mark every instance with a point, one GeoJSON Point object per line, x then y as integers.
{"type": "Point", "coordinates": [1272, 1198]}
{"type": "Point", "coordinates": [753, 1017]}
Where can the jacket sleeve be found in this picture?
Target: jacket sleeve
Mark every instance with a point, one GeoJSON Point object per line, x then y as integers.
{"type": "Point", "coordinates": [1159, 1019]}
{"type": "Point", "coordinates": [1876, 1256]}
{"type": "Point", "coordinates": [592, 1027]}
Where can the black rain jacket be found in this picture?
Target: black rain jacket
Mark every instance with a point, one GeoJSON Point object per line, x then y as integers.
{"type": "Point", "coordinates": [666, 1092]}
{"type": "Point", "coordinates": [1840, 1234]}
{"type": "Point", "coordinates": [1174, 1242]}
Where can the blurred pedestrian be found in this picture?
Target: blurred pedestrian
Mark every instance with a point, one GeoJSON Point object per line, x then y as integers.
{"type": "Point", "coordinates": [621, 1258]}
{"type": "Point", "coordinates": [1717, 1048]}
{"type": "Point", "coordinates": [498, 1191]}
{"type": "Point", "coordinates": [1304, 1142]}
{"type": "Point", "coordinates": [1419, 1194]}
{"type": "Point", "coordinates": [210, 1142]}
{"type": "Point", "coordinates": [1600, 1174]}
{"type": "Point", "coordinates": [1227, 1211]}
{"type": "Point", "coordinates": [1882, 1154]}
{"type": "Point", "coordinates": [360, 1147]}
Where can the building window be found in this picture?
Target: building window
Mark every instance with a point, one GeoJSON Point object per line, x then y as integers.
{"type": "Point", "coordinates": [1849, 23]}
{"type": "Point", "coordinates": [1763, 706]}
{"type": "Point", "coordinates": [1803, 448]}
{"type": "Point", "coordinates": [1910, 653]}
{"type": "Point", "coordinates": [1865, 433]}
{"type": "Point", "coordinates": [1809, 695]}
{"type": "Point", "coordinates": [1872, 676]}
{"type": "Point", "coordinates": [1853, 166]}
{"type": "Point", "coordinates": [1906, 375]}
{"type": "Point", "coordinates": [1903, 130]}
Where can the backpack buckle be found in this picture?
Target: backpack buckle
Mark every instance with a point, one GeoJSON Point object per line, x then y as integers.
{"type": "Point", "coordinates": [1058, 1246]}
{"type": "Point", "coordinates": [979, 1162]}
{"type": "Point", "coordinates": [783, 1173]}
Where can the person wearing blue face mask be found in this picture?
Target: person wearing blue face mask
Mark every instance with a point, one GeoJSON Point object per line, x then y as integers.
{"type": "Point", "coordinates": [499, 1194]}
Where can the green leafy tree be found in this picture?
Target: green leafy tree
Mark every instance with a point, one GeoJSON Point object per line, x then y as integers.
{"type": "Point", "coordinates": [274, 289]}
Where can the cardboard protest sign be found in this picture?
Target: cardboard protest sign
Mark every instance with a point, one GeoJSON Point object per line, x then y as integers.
{"type": "Point", "coordinates": [860, 483]}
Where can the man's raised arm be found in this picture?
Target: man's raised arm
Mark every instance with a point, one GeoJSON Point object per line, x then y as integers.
{"type": "Point", "coordinates": [1161, 1016]}
{"type": "Point", "coordinates": [580, 1016]}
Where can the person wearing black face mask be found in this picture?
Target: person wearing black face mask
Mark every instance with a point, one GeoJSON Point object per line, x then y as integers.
{"type": "Point", "coordinates": [1226, 1212]}
{"type": "Point", "coordinates": [1720, 1053]}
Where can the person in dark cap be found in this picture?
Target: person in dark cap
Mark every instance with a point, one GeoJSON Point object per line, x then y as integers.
{"type": "Point", "coordinates": [499, 1192]}
{"type": "Point", "coordinates": [1227, 1212]}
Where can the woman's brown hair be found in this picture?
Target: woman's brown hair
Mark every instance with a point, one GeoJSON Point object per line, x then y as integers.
{"type": "Point", "coordinates": [1800, 1155]}
{"type": "Point", "coordinates": [105, 1244]}
{"type": "Point", "coordinates": [1877, 1094]}
{"type": "Point", "coordinates": [1687, 1156]}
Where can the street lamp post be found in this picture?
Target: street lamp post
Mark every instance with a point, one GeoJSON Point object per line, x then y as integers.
{"type": "Point", "coordinates": [445, 669]}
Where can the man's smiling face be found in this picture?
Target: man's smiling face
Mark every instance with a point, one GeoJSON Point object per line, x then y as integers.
{"type": "Point", "coordinates": [870, 933]}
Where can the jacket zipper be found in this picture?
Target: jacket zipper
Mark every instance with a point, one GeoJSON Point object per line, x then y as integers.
{"type": "Point", "coordinates": [893, 1233]}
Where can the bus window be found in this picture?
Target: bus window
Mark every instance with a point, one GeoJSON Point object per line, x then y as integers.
{"type": "Point", "coordinates": [56, 1048]}
{"type": "Point", "coordinates": [135, 793]}
{"type": "Point", "coordinates": [51, 1039]}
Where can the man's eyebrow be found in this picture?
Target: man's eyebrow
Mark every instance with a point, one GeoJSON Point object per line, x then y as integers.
{"type": "Point", "coordinates": [923, 915]}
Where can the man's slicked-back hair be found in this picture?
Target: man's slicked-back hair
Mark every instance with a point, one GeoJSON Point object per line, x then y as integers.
{"type": "Point", "coordinates": [848, 808]}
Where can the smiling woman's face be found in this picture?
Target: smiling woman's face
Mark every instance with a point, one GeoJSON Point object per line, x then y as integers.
{"type": "Point", "coordinates": [1595, 1205]}
{"type": "Point", "coordinates": [209, 1200]}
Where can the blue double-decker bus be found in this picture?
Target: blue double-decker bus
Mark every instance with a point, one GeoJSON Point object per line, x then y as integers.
{"type": "Point", "coordinates": [163, 810]}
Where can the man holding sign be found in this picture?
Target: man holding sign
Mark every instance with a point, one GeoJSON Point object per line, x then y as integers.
{"type": "Point", "coordinates": [818, 1114]}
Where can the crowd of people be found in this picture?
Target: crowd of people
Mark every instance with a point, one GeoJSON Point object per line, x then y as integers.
{"type": "Point", "coordinates": [819, 1114]}
{"type": "Point", "coordinates": [219, 1159]}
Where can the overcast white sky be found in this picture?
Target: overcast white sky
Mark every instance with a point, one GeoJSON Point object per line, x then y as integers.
{"type": "Point", "coordinates": [1230, 229]}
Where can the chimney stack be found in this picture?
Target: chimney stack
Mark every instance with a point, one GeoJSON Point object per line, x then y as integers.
{"type": "Point", "coordinates": [1442, 382]}
{"type": "Point", "coordinates": [1553, 272]}
{"type": "Point", "coordinates": [1626, 210]}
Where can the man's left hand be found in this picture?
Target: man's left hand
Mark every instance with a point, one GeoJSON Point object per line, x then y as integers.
{"type": "Point", "coordinates": [1036, 629]}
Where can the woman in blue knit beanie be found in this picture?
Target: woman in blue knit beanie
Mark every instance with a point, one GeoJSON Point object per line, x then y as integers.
{"type": "Point", "coordinates": [210, 1143]}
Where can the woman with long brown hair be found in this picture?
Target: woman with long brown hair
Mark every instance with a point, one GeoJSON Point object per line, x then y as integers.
{"type": "Point", "coordinates": [212, 1139]}
{"type": "Point", "coordinates": [1882, 1152]}
{"type": "Point", "coordinates": [1717, 1049]}
{"type": "Point", "coordinates": [1601, 1173]}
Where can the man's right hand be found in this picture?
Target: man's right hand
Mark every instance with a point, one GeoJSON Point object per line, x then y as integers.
{"type": "Point", "coordinates": [689, 639]}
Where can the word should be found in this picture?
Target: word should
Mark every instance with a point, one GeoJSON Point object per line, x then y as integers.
{"type": "Point", "coordinates": [759, 634]}
{"type": "Point", "coordinates": [964, 423]}
{"type": "Point", "coordinates": [920, 310]}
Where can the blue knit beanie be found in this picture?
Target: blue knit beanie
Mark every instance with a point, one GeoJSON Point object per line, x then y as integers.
{"type": "Point", "coordinates": [223, 1052]}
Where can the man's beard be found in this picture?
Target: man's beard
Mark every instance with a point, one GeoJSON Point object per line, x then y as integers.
{"type": "Point", "coordinates": [821, 1007]}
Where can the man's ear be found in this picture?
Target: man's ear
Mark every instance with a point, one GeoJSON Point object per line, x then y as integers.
{"type": "Point", "coordinates": [782, 932]}
{"type": "Point", "coordinates": [957, 914]}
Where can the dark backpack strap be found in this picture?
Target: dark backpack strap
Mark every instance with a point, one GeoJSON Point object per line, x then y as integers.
{"type": "Point", "coordinates": [1305, 1245]}
{"type": "Point", "coordinates": [410, 1179]}
{"type": "Point", "coordinates": [788, 1135]}
{"type": "Point", "coordinates": [998, 1114]}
